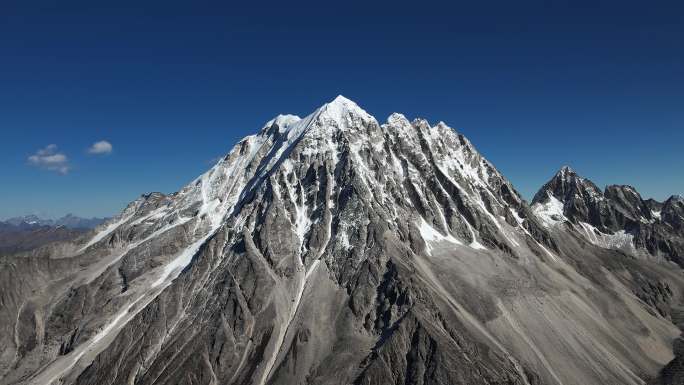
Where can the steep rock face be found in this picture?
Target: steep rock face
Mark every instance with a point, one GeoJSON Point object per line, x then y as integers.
{"type": "Point", "coordinates": [580, 198]}
{"type": "Point", "coordinates": [619, 218]}
{"type": "Point", "coordinates": [616, 218]}
{"type": "Point", "coordinates": [334, 249]}
{"type": "Point", "coordinates": [672, 212]}
{"type": "Point", "coordinates": [628, 205]}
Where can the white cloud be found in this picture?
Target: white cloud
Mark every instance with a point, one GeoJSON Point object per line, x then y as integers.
{"type": "Point", "coordinates": [49, 159]}
{"type": "Point", "coordinates": [102, 147]}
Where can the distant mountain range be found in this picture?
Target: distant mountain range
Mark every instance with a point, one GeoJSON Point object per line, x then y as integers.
{"type": "Point", "coordinates": [14, 239]}
{"type": "Point", "coordinates": [70, 221]}
{"type": "Point", "coordinates": [616, 218]}
{"type": "Point", "coordinates": [29, 232]}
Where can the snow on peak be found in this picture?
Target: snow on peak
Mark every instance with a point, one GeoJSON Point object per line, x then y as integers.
{"type": "Point", "coordinates": [340, 109]}
{"type": "Point", "coordinates": [566, 172]}
{"type": "Point", "coordinates": [283, 121]}
{"type": "Point", "coordinates": [341, 112]}
{"type": "Point", "coordinates": [397, 118]}
{"type": "Point", "coordinates": [398, 122]}
{"type": "Point", "coordinates": [442, 125]}
{"type": "Point", "coordinates": [341, 99]}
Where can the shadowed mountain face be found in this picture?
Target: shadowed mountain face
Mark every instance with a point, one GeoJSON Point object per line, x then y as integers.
{"type": "Point", "coordinates": [616, 218]}
{"type": "Point", "coordinates": [334, 249]}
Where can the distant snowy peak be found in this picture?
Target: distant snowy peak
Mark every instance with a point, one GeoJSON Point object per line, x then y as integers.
{"type": "Point", "coordinates": [616, 218]}
{"type": "Point", "coordinates": [28, 220]}
{"type": "Point", "coordinates": [608, 210]}
{"type": "Point", "coordinates": [567, 186]}
{"type": "Point", "coordinates": [569, 197]}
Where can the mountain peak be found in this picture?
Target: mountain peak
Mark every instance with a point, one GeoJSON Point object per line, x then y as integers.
{"type": "Point", "coordinates": [566, 185]}
{"type": "Point", "coordinates": [340, 107]}
{"type": "Point", "coordinates": [340, 110]}
{"type": "Point", "coordinates": [570, 178]}
{"type": "Point", "coordinates": [342, 99]}
{"type": "Point", "coordinates": [565, 172]}
{"type": "Point", "coordinates": [403, 230]}
{"type": "Point", "coordinates": [283, 121]}
{"type": "Point", "coordinates": [397, 119]}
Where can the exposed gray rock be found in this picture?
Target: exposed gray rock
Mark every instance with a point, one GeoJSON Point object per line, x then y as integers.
{"type": "Point", "coordinates": [334, 249]}
{"type": "Point", "coordinates": [616, 218]}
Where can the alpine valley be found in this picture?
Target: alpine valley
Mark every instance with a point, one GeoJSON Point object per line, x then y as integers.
{"type": "Point", "coordinates": [334, 249]}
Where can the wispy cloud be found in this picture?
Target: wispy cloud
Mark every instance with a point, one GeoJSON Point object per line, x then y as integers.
{"type": "Point", "coordinates": [102, 147]}
{"type": "Point", "coordinates": [49, 158]}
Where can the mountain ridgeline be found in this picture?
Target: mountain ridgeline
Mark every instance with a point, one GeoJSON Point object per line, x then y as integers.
{"type": "Point", "coordinates": [69, 221]}
{"type": "Point", "coordinates": [333, 249]}
{"type": "Point", "coordinates": [29, 232]}
{"type": "Point", "coordinates": [617, 216]}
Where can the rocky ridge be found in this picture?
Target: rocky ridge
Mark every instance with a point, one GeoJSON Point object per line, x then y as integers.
{"type": "Point", "coordinates": [617, 217]}
{"type": "Point", "coordinates": [334, 249]}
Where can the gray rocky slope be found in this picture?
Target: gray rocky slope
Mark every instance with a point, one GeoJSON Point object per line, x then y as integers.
{"type": "Point", "coordinates": [337, 250]}
{"type": "Point", "coordinates": [619, 218]}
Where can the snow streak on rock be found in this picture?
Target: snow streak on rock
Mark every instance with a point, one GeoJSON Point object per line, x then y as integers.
{"type": "Point", "coordinates": [335, 249]}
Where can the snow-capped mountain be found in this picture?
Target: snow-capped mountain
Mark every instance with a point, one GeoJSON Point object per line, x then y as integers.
{"type": "Point", "coordinates": [615, 218]}
{"type": "Point", "coordinates": [334, 249]}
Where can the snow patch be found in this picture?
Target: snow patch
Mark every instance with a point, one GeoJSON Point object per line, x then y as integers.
{"type": "Point", "coordinates": [656, 214]}
{"type": "Point", "coordinates": [550, 212]}
{"type": "Point", "coordinates": [303, 222]}
{"type": "Point", "coordinates": [284, 122]}
{"type": "Point", "coordinates": [431, 235]}
{"type": "Point", "coordinates": [517, 216]}
{"type": "Point", "coordinates": [104, 232]}
{"type": "Point", "coordinates": [620, 240]}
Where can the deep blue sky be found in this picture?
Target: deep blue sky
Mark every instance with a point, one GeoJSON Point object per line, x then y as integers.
{"type": "Point", "coordinates": [534, 85]}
